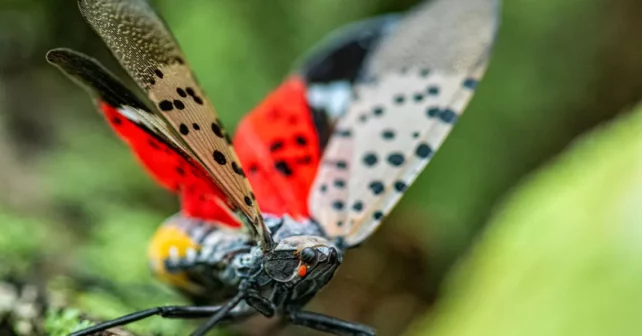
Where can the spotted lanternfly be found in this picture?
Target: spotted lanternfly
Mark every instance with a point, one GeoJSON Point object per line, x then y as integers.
{"type": "Point", "coordinates": [326, 155]}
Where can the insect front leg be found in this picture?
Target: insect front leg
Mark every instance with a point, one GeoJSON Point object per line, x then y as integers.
{"type": "Point", "coordinates": [329, 324]}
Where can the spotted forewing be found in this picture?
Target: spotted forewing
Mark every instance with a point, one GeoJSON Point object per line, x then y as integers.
{"type": "Point", "coordinates": [149, 53]}
{"type": "Point", "coordinates": [417, 84]}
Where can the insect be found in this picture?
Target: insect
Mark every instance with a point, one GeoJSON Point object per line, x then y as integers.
{"type": "Point", "coordinates": [266, 219]}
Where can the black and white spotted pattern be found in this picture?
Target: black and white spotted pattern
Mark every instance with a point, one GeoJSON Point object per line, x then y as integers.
{"type": "Point", "coordinates": [395, 123]}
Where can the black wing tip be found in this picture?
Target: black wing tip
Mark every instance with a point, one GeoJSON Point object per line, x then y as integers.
{"type": "Point", "coordinates": [67, 58]}
{"type": "Point", "coordinates": [58, 55]}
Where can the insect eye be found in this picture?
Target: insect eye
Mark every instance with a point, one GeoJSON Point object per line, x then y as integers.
{"type": "Point", "coordinates": [308, 255]}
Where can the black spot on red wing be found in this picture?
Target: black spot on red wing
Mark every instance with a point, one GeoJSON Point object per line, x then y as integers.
{"type": "Point", "coordinates": [247, 200]}
{"type": "Point", "coordinates": [253, 168]}
{"type": "Point", "coordinates": [181, 92]}
{"type": "Point", "coordinates": [337, 205]}
{"type": "Point", "coordinates": [217, 130]}
{"type": "Point", "coordinates": [196, 127]}
{"type": "Point", "coordinates": [400, 186]}
{"type": "Point", "coordinates": [370, 159]}
{"type": "Point", "coordinates": [166, 105]}
{"type": "Point", "coordinates": [153, 144]}
{"type": "Point", "coordinates": [274, 114]}
{"type": "Point", "coordinates": [183, 129]}
{"type": "Point", "coordinates": [158, 73]}
{"type": "Point", "coordinates": [180, 171]}
{"type": "Point", "coordinates": [376, 187]}
{"type": "Point", "coordinates": [276, 145]}
{"type": "Point", "coordinates": [423, 151]}
{"type": "Point", "coordinates": [304, 160]}
{"type": "Point", "coordinates": [396, 159]}
{"type": "Point", "coordinates": [117, 121]}
{"type": "Point", "coordinates": [219, 157]}
{"type": "Point", "coordinates": [293, 120]}
{"type": "Point", "coordinates": [377, 215]}
{"type": "Point", "coordinates": [283, 167]}
{"type": "Point", "coordinates": [301, 140]}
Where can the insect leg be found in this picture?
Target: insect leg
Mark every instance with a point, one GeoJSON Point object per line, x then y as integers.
{"type": "Point", "coordinates": [329, 324]}
{"type": "Point", "coordinates": [220, 315]}
{"type": "Point", "coordinates": [168, 312]}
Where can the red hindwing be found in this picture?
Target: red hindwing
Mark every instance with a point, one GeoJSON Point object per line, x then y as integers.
{"type": "Point", "coordinates": [199, 195]}
{"type": "Point", "coordinates": [279, 148]}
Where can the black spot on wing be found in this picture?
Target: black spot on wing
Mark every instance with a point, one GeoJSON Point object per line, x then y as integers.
{"type": "Point", "coordinates": [219, 157]}
{"type": "Point", "coordinates": [283, 168]}
{"type": "Point", "coordinates": [166, 105]}
{"type": "Point", "coordinates": [376, 187]}
{"type": "Point", "coordinates": [183, 129]}
{"type": "Point", "coordinates": [216, 128]}
{"type": "Point", "coordinates": [396, 159]}
{"type": "Point", "coordinates": [423, 151]}
{"type": "Point", "coordinates": [370, 159]}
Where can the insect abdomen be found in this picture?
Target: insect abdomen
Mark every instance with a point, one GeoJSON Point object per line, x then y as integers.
{"type": "Point", "coordinates": [194, 256]}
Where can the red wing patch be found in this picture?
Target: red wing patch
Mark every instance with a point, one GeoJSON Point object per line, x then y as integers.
{"type": "Point", "coordinates": [200, 197]}
{"type": "Point", "coordinates": [279, 148]}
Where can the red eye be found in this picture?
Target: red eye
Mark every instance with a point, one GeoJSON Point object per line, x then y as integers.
{"type": "Point", "coordinates": [303, 270]}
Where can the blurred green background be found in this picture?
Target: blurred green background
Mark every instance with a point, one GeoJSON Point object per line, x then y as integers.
{"type": "Point", "coordinates": [525, 223]}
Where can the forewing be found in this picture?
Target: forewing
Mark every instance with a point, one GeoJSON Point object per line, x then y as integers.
{"type": "Point", "coordinates": [150, 140]}
{"type": "Point", "coordinates": [144, 46]}
{"type": "Point", "coordinates": [420, 80]}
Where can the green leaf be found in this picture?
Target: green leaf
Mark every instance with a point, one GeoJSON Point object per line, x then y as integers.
{"type": "Point", "coordinates": [564, 255]}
